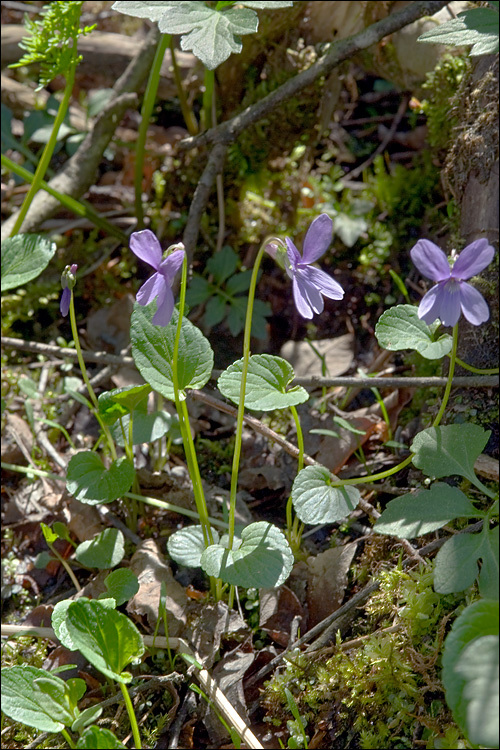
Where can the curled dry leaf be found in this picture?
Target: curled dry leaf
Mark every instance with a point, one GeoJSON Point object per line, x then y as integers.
{"type": "Point", "coordinates": [150, 567]}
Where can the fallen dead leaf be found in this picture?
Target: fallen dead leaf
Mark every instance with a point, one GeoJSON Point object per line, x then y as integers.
{"type": "Point", "coordinates": [229, 673]}
{"type": "Point", "coordinates": [209, 624]}
{"type": "Point", "coordinates": [338, 354]}
{"type": "Point", "coordinates": [327, 581]}
{"type": "Point", "coordinates": [152, 570]}
{"type": "Point", "coordinates": [278, 608]}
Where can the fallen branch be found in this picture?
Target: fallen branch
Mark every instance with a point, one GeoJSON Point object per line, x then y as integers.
{"type": "Point", "coordinates": [314, 381]}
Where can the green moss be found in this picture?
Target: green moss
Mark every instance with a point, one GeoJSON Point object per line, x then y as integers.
{"type": "Point", "coordinates": [440, 88]}
{"type": "Point", "coordinates": [385, 689]}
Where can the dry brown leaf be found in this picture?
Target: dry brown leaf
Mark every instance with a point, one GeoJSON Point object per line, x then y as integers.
{"type": "Point", "coordinates": [278, 608]}
{"type": "Point", "coordinates": [335, 452]}
{"type": "Point", "coordinates": [338, 354]}
{"type": "Point", "coordinates": [327, 581]}
{"type": "Point", "coordinates": [151, 569]}
{"type": "Point", "coordinates": [229, 674]}
{"type": "Point", "coordinates": [211, 622]}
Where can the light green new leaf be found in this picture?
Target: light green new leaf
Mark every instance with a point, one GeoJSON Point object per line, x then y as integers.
{"type": "Point", "coordinates": [120, 401]}
{"type": "Point", "coordinates": [419, 513]}
{"type": "Point", "coordinates": [104, 551]}
{"type": "Point", "coordinates": [107, 638]}
{"type": "Point", "coordinates": [39, 699]}
{"type": "Point", "coordinates": [477, 621]}
{"type": "Point", "coordinates": [153, 349]}
{"type": "Point", "coordinates": [449, 450]}
{"type": "Point", "coordinates": [316, 501]}
{"type": "Point", "coordinates": [263, 558]}
{"type": "Point", "coordinates": [401, 328]}
{"type": "Point", "coordinates": [91, 483]}
{"type": "Point", "coordinates": [24, 257]}
{"type": "Point", "coordinates": [266, 386]}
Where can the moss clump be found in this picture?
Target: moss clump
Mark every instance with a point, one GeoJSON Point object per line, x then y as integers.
{"type": "Point", "coordinates": [441, 87]}
{"type": "Point", "coordinates": [384, 689]}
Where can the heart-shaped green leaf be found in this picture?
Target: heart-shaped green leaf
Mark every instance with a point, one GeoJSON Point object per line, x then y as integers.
{"type": "Point", "coordinates": [23, 258]}
{"type": "Point", "coordinates": [266, 385]}
{"type": "Point", "coordinates": [104, 551]}
{"type": "Point", "coordinates": [91, 483]}
{"type": "Point", "coordinates": [316, 501]}
{"type": "Point", "coordinates": [107, 638]}
{"type": "Point", "coordinates": [186, 546]}
{"type": "Point", "coordinates": [477, 665]}
{"type": "Point", "coordinates": [401, 328]}
{"type": "Point", "coordinates": [153, 350]}
{"type": "Point", "coordinates": [263, 559]}
{"type": "Point", "coordinates": [448, 450]}
{"type": "Point", "coordinates": [60, 615]}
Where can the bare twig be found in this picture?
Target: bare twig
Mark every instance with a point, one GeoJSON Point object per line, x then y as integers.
{"type": "Point", "coordinates": [200, 197]}
{"type": "Point", "coordinates": [315, 381]}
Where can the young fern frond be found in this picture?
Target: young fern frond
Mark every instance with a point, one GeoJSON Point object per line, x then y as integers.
{"type": "Point", "coordinates": [51, 41]}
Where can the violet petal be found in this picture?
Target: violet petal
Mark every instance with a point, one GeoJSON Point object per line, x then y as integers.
{"type": "Point", "coordinates": [145, 245]}
{"type": "Point", "coordinates": [430, 260]}
{"type": "Point", "coordinates": [307, 298]}
{"type": "Point", "coordinates": [473, 259]}
{"type": "Point", "coordinates": [323, 282]}
{"type": "Point", "coordinates": [293, 254]}
{"type": "Point", "coordinates": [473, 304]}
{"type": "Point", "coordinates": [169, 267]}
{"type": "Point", "coordinates": [318, 238]}
{"type": "Point", "coordinates": [65, 301]}
{"type": "Point", "coordinates": [154, 287]}
{"type": "Point", "coordinates": [165, 308]}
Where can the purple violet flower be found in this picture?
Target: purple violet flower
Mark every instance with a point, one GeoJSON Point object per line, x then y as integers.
{"type": "Point", "coordinates": [145, 245]}
{"type": "Point", "coordinates": [452, 295]}
{"type": "Point", "coordinates": [309, 283]}
{"type": "Point", "coordinates": [68, 281]}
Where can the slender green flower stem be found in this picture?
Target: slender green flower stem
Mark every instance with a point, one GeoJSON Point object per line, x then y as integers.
{"type": "Point", "coordinates": [187, 438]}
{"type": "Point", "coordinates": [447, 390]}
{"type": "Point", "coordinates": [49, 148]}
{"type": "Point", "coordinates": [131, 716]}
{"type": "Point", "coordinates": [476, 370]}
{"type": "Point", "coordinates": [241, 403]}
{"type": "Point", "coordinates": [146, 110]}
{"type": "Point", "coordinates": [294, 527]}
{"type": "Point", "coordinates": [437, 420]}
{"type": "Point", "coordinates": [93, 397]}
{"type": "Point", "coordinates": [80, 208]}
{"type": "Point", "coordinates": [207, 99]}
{"type": "Point", "coordinates": [187, 112]}
{"type": "Point", "coordinates": [68, 739]}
